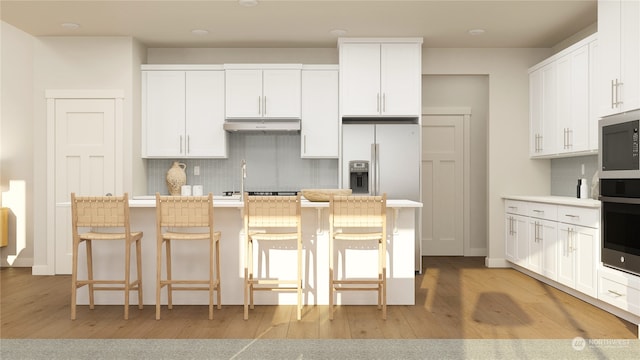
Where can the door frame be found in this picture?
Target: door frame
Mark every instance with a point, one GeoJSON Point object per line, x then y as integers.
{"type": "Point", "coordinates": [465, 112]}
{"type": "Point", "coordinates": [51, 96]}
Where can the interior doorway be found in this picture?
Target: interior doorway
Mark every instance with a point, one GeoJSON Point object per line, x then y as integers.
{"type": "Point", "coordinates": [86, 158]}
{"type": "Point", "coordinates": [458, 95]}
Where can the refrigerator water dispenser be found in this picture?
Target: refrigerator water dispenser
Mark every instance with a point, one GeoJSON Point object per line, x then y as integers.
{"type": "Point", "coordinates": [359, 176]}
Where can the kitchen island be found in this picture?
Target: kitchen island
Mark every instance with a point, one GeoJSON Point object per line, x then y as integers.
{"type": "Point", "coordinates": [190, 260]}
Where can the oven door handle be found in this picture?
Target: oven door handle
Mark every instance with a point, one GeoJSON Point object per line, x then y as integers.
{"type": "Point", "coordinates": [619, 200]}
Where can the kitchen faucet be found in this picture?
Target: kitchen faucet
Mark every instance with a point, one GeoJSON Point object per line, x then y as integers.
{"type": "Point", "coordinates": [243, 175]}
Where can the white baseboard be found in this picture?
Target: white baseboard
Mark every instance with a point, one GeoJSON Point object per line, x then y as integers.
{"type": "Point", "coordinates": [42, 270]}
{"type": "Point", "coordinates": [19, 262]}
{"type": "Point", "coordinates": [496, 263]}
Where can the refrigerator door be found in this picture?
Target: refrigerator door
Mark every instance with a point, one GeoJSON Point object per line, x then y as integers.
{"type": "Point", "coordinates": [357, 142]}
{"type": "Point", "coordinates": [398, 161]}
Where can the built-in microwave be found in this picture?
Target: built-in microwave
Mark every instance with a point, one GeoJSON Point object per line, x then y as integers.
{"type": "Point", "coordinates": [619, 140]}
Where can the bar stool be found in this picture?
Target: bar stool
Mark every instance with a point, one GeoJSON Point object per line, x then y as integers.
{"type": "Point", "coordinates": [271, 218]}
{"type": "Point", "coordinates": [186, 218]}
{"type": "Point", "coordinates": [107, 218]}
{"type": "Point", "coordinates": [354, 219]}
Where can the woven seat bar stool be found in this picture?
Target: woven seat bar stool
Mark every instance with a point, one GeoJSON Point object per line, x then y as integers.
{"type": "Point", "coordinates": [181, 218]}
{"type": "Point", "coordinates": [271, 218]}
{"type": "Point", "coordinates": [107, 219]}
{"type": "Point", "coordinates": [358, 218]}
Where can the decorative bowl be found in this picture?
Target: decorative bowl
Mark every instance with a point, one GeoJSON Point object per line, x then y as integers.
{"type": "Point", "coordinates": [317, 195]}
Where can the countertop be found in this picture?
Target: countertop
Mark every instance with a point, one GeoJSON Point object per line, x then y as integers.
{"type": "Point", "coordinates": [225, 202]}
{"type": "Point", "coordinates": [558, 200]}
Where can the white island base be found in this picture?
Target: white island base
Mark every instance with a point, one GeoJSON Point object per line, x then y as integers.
{"type": "Point", "coordinates": [190, 259]}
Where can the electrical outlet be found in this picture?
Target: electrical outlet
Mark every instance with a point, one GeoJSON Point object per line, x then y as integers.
{"type": "Point", "coordinates": [196, 170]}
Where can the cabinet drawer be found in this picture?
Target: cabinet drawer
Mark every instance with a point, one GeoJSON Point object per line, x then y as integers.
{"type": "Point", "coordinates": [515, 207]}
{"type": "Point", "coordinates": [618, 294]}
{"type": "Point", "coordinates": [588, 217]}
{"type": "Point", "coordinates": [543, 211]}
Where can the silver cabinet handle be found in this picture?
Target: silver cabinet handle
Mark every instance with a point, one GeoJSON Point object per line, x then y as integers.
{"type": "Point", "coordinates": [259, 105]}
{"type": "Point", "coordinates": [612, 96]}
{"type": "Point", "coordinates": [304, 144]}
{"type": "Point", "coordinates": [384, 102]}
{"type": "Point", "coordinates": [180, 144]}
{"type": "Point", "coordinates": [378, 103]}
{"type": "Point", "coordinates": [188, 145]}
{"type": "Point", "coordinates": [264, 106]}
{"type": "Point", "coordinates": [615, 293]}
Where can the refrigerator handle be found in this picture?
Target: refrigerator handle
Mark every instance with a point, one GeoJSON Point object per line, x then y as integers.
{"type": "Point", "coordinates": [377, 169]}
{"type": "Point", "coordinates": [372, 170]}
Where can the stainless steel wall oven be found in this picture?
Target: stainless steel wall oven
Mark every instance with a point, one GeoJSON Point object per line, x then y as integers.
{"type": "Point", "coordinates": [621, 224]}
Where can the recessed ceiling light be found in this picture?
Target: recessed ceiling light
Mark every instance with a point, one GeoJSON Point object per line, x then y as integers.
{"type": "Point", "coordinates": [200, 32]}
{"type": "Point", "coordinates": [338, 32]}
{"type": "Point", "coordinates": [475, 32]}
{"type": "Point", "coordinates": [248, 3]}
{"type": "Point", "coordinates": [70, 26]}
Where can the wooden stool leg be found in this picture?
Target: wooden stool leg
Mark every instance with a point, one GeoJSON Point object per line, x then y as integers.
{"type": "Point", "coordinates": [90, 272]}
{"type": "Point", "coordinates": [74, 278]}
{"type": "Point", "coordinates": [299, 282]}
{"type": "Point", "coordinates": [139, 272]}
{"type": "Point", "coordinates": [251, 305]}
{"type": "Point", "coordinates": [211, 282]}
{"type": "Point", "coordinates": [218, 284]}
{"type": "Point", "coordinates": [127, 277]}
{"type": "Point", "coordinates": [331, 278]}
{"type": "Point", "coordinates": [158, 276]}
{"type": "Point", "coordinates": [169, 287]}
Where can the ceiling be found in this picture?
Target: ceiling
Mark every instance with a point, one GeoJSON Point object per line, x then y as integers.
{"type": "Point", "coordinates": [308, 23]}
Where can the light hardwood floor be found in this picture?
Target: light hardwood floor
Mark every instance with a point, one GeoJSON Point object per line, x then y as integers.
{"type": "Point", "coordinates": [456, 298]}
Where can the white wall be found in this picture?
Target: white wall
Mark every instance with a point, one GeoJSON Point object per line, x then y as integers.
{"type": "Point", "coordinates": [242, 55]}
{"type": "Point", "coordinates": [509, 169]}
{"type": "Point", "coordinates": [16, 127]}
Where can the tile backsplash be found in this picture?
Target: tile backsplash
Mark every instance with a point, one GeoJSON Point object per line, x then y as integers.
{"type": "Point", "coordinates": [565, 173]}
{"type": "Point", "coordinates": [273, 163]}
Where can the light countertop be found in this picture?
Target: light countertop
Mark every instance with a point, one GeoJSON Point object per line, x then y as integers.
{"type": "Point", "coordinates": [223, 202]}
{"type": "Point", "coordinates": [557, 200]}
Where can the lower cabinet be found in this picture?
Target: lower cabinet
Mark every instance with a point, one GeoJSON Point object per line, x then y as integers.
{"type": "Point", "coordinates": [556, 241]}
{"type": "Point", "coordinates": [578, 258]}
{"type": "Point", "coordinates": [619, 289]}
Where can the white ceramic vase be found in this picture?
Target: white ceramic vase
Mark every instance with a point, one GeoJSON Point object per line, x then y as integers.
{"type": "Point", "coordinates": [176, 177]}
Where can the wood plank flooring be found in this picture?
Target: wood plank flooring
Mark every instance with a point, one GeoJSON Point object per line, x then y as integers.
{"type": "Point", "coordinates": [456, 298]}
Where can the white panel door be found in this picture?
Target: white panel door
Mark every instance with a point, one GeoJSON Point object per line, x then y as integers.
{"type": "Point", "coordinates": [85, 162]}
{"type": "Point", "coordinates": [243, 93]}
{"type": "Point", "coordinates": [164, 112]}
{"type": "Point", "coordinates": [443, 185]}
{"type": "Point", "coordinates": [360, 79]}
{"type": "Point", "coordinates": [281, 93]}
{"type": "Point", "coordinates": [401, 80]}
{"type": "Point", "coordinates": [204, 112]}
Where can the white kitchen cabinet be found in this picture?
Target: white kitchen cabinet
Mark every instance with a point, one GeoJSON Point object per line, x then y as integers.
{"type": "Point", "coordinates": [252, 92]}
{"type": "Point", "coordinates": [380, 77]}
{"type": "Point", "coordinates": [619, 33]}
{"type": "Point", "coordinates": [619, 289]}
{"type": "Point", "coordinates": [579, 241]}
{"type": "Point", "coordinates": [562, 120]}
{"type": "Point", "coordinates": [319, 129]}
{"type": "Point", "coordinates": [517, 236]}
{"type": "Point", "coordinates": [543, 234]}
{"type": "Point", "coordinates": [183, 113]}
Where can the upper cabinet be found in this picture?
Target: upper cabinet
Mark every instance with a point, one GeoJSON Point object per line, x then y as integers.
{"type": "Point", "coordinates": [619, 37]}
{"type": "Point", "coordinates": [183, 112]}
{"type": "Point", "coordinates": [562, 119]}
{"type": "Point", "coordinates": [380, 77]}
{"type": "Point", "coordinates": [269, 91]}
{"type": "Point", "coordinates": [320, 126]}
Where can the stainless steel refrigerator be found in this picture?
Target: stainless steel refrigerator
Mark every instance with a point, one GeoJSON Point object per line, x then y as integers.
{"type": "Point", "coordinates": [393, 154]}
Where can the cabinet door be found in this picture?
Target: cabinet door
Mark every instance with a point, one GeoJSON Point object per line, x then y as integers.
{"type": "Point", "coordinates": [320, 119]}
{"type": "Point", "coordinates": [205, 114]}
{"type": "Point", "coordinates": [243, 93]}
{"type": "Point", "coordinates": [609, 44]}
{"type": "Point", "coordinates": [164, 113]}
{"type": "Point", "coordinates": [629, 92]}
{"type": "Point", "coordinates": [549, 243]}
{"type": "Point", "coordinates": [400, 79]}
{"type": "Point", "coordinates": [566, 256]}
{"type": "Point", "coordinates": [510, 238]}
{"type": "Point", "coordinates": [549, 109]}
{"type": "Point", "coordinates": [586, 252]}
{"type": "Point", "coordinates": [535, 113]}
{"type": "Point", "coordinates": [534, 257]}
{"type": "Point", "coordinates": [281, 94]}
{"type": "Point", "coordinates": [522, 239]}
{"type": "Point", "coordinates": [573, 101]}
{"type": "Point", "coordinates": [360, 79]}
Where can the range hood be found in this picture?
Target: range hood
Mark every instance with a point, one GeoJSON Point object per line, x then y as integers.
{"type": "Point", "coordinates": [262, 125]}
